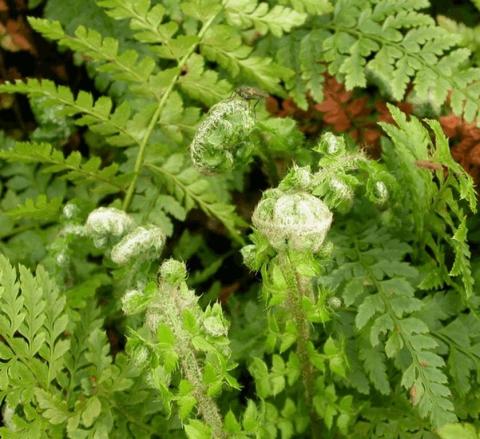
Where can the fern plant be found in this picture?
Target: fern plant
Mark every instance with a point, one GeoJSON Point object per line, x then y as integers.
{"type": "Point", "coordinates": [125, 308]}
{"type": "Point", "coordinates": [391, 44]}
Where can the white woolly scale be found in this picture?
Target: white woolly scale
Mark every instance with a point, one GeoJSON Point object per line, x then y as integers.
{"type": "Point", "coordinates": [106, 222]}
{"type": "Point", "coordinates": [381, 191]}
{"type": "Point", "coordinates": [70, 210]}
{"type": "Point", "coordinates": [298, 220]}
{"type": "Point", "coordinates": [143, 242]}
{"type": "Point", "coordinates": [129, 301]}
{"type": "Point", "coordinates": [214, 326]}
{"type": "Point", "coordinates": [341, 189]}
{"type": "Point", "coordinates": [220, 136]}
{"type": "Point", "coordinates": [332, 143]}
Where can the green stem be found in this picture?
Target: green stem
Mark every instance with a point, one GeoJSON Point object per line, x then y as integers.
{"type": "Point", "coordinates": [141, 153]}
{"type": "Point", "coordinates": [206, 406]}
{"type": "Point", "coordinates": [172, 309]}
{"type": "Point", "coordinates": [294, 304]}
{"type": "Point", "coordinates": [17, 230]}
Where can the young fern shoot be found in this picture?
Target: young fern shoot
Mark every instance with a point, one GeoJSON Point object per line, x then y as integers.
{"type": "Point", "coordinates": [295, 223]}
{"type": "Point", "coordinates": [178, 334]}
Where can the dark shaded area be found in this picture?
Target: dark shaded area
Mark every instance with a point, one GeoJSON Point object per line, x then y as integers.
{"type": "Point", "coordinates": [458, 10]}
{"type": "Point", "coordinates": [25, 54]}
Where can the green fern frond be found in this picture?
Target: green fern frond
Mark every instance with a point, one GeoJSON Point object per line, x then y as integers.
{"type": "Point", "coordinates": [191, 189]}
{"type": "Point", "coordinates": [394, 44]}
{"type": "Point", "coordinates": [122, 66]}
{"type": "Point", "coordinates": [314, 7]}
{"type": "Point", "coordinates": [444, 224]}
{"type": "Point", "coordinates": [461, 265]}
{"type": "Point", "coordinates": [148, 25]}
{"type": "Point", "coordinates": [456, 333]}
{"type": "Point", "coordinates": [383, 287]}
{"type": "Point", "coordinates": [98, 116]}
{"type": "Point", "coordinates": [40, 208]}
{"type": "Point", "coordinates": [382, 25]}
{"type": "Point", "coordinates": [374, 362]}
{"type": "Point", "coordinates": [202, 84]}
{"type": "Point", "coordinates": [300, 51]}
{"type": "Point", "coordinates": [224, 45]}
{"type": "Point", "coordinates": [32, 321]}
{"type": "Point", "coordinates": [178, 120]}
{"type": "Point", "coordinates": [156, 208]}
{"type": "Point", "coordinates": [72, 168]}
{"type": "Point", "coordinates": [246, 14]}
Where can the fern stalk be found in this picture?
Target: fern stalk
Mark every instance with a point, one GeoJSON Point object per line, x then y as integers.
{"type": "Point", "coordinates": [206, 405]}
{"type": "Point", "coordinates": [141, 153]}
{"type": "Point", "coordinates": [295, 294]}
{"type": "Point", "coordinates": [170, 306]}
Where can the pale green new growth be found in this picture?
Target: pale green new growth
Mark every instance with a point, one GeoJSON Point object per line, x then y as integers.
{"type": "Point", "coordinates": [105, 223]}
{"type": "Point", "coordinates": [141, 243]}
{"type": "Point", "coordinates": [221, 140]}
{"type": "Point", "coordinates": [183, 336]}
{"type": "Point", "coordinates": [296, 220]}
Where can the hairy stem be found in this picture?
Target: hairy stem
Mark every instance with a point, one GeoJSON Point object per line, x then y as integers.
{"type": "Point", "coordinates": [206, 405]}
{"type": "Point", "coordinates": [191, 369]}
{"type": "Point", "coordinates": [156, 116]}
{"type": "Point", "coordinates": [294, 304]}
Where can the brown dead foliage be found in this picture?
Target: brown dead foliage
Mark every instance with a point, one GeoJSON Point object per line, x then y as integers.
{"type": "Point", "coordinates": [343, 111]}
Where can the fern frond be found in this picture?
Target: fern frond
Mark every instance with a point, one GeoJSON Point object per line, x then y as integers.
{"type": "Point", "coordinates": [191, 189]}
{"type": "Point", "coordinates": [374, 362]}
{"type": "Point", "coordinates": [445, 223]}
{"type": "Point", "coordinates": [456, 333]}
{"type": "Point", "coordinates": [391, 420]}
{"type": "Point", "coordinates": [123, 66]}
{"type": "Point", "coordinates": [148, 25]}
{"type": "Point", "coordinates": [314, 7]}
{"type": "Point", "coordinates": [32, 321]}
{"type": "Point", "coordinates": [460, 180]}
{"type": "Point", "coordinates": [143, 17]}
{"type": "Point", "coordinates": [383, 287]}
{"type": "Point", "coordinates": [178, 120]}
{"type": "Point", "coordinates": [202, 84]}
{"type": "Point", "coordinates": [156, 208]}
{"type": "Point", "coordinates": [98, 116]}
{"type": "Point", "coordinates": [461, 266]}
{"type": "Point", "coordinates": [424, 377]}
{"type": "Point", "coordinates": [245, 14]}
{"type": "Point", "coordinates": [40, 208]}
{"type": "Point", "coordinates": [299, 51]}
{"type": "Point", "coordinates": [395, 44]}
{"type": "Point", "coordinates": [223, 45]}
{"type": "Point", "coordinates": [72, 167]}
